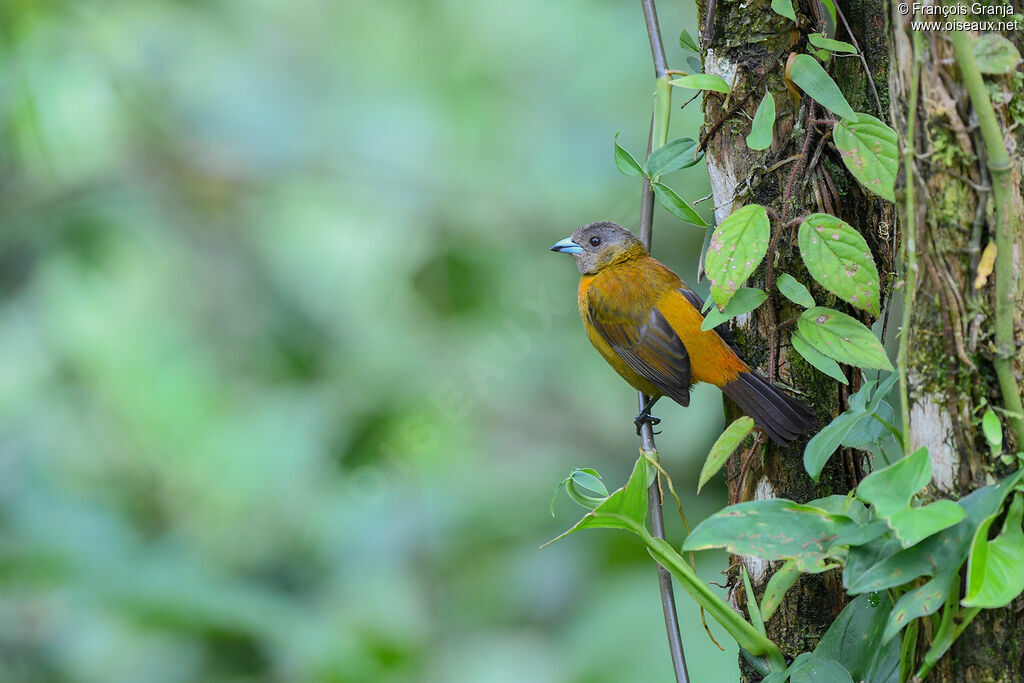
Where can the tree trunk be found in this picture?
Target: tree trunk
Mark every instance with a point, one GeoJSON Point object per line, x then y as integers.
{"type": "Point", "coordinates": [748, 45]}
{"type": "Point", "coordinates": [951, 376]}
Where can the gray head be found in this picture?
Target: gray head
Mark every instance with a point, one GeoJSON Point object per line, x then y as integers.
{"type": "Point", "coordinates": [599, 245]}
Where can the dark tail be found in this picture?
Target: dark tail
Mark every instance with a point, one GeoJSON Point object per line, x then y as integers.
{"type": "Point", "coordinates": [783, 417]}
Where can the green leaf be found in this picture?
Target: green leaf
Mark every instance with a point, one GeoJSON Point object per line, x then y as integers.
{"type": "Point", "coordinates": [701, 82]}
{"type": "Point", "coordinates": [807, 73]}
{"type": "Point", "coordinates": [675, 155]}
{"type": "Point", "coordinates": [890, 491]}
{"type": "Point", "coordinates": [915, 524]}
{"type": "Point", "coordinates": [818, 40]}
{"type": "Point", "coordinates": [778, 529]}
{"type": "Point", "coordinates": [995, 54]}
{"type": "Point", "coordinates": [785, 8]}
{"type": "Point", "coordinates": [994, 576]}
{"type": "Point", "coordinates": [847, 505]}
{"type": "Point", "coordinates": [585, 478]}
{"type": "Point", "coordinates": [823, 444]}
{"type": "Point", "coordinates": [845, 430]}
{"type": "Point", "coordinates": [588, 478]}
{"type": "Point", "coordinates": [677, 206]}
{"type": "Point", "coordinates": [782, 580]}
{"type": "Point", "coordinates": [686, 42]}
{"type": "Point", "coordinates": [813, 668]}
{"type": "Point", "coordinates": [891, 488]}
{"type": "Point", "coordinates": [824, 55]}
{"type": "Point", "coordinates": [820, 361]}
{"type": "Point", "coordinates": [942, 554]}
{"type": "Point", "coordinates": [723, 447]}
{"type": "Point", "coordinates": [883, 564]}
{"type": "Point", "coordinates": [843, 338]}
{"type": "Point", "coordinates": [764, 121]}
{"type": "Point", "coordinates": [838, 257]}
{"type": "Point", "coordinates": [993, 430]}
{"type": "Point", "coordinates": [920, 601]}
{"type": "Point", "coordinates": [752, 609]}
{"type": "Point", "coordinates": [625, 162]}
{"type": "Point", "coordinates": [737, 247]}
{"type": "Point", "coordinates": [623, 507]}
{"type": "Point", "coordinates": [869, 432]}
{"type": "Point", "coordinates": [745, 300]}
{"type": "Point", "coordinates": [794, 291]}
{"type": "Point", "coordinates": [855, 640]}
{"type": "Point", "coordinates": [869, 150]}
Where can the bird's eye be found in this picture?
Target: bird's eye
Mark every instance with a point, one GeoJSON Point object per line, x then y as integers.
{"type": "Point", "coordinates": [595, 241]}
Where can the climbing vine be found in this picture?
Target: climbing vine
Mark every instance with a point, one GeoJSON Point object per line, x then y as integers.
{"type": "Point", "coordinates": [900, 558]}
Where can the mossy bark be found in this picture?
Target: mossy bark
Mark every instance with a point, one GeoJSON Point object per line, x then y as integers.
{"type": "Point", "coordinates": [951, 376]}
{"type": "Point", "coordinates": [800, 173]}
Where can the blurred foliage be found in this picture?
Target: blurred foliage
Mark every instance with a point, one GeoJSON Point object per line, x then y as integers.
{"type": "Point", "coordinates": [289, 373]}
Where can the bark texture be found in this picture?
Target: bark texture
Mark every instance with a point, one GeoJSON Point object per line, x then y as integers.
{"type": "Point", "coordinates": [748, 45]}
{"type": "Point", "coordinates": [951, 377]}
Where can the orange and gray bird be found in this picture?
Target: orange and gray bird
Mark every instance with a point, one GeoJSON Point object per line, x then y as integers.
{"type": "Point", "coordinates": [646, 323]}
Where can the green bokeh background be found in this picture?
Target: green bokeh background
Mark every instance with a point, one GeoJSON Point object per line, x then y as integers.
{"type": "Point", "coordinates": [289, 373]}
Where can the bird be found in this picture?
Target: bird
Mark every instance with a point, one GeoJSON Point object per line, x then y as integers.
{"type": "Point", "coordinates": [645, 322]}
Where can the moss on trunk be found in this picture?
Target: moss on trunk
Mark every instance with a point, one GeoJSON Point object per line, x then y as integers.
{"type": "Point", "coordinates": [749, 47]}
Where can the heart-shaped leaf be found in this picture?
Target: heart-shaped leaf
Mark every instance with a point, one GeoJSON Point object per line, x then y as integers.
{"type": "Point", "coordinates": [942, 555]}
{"type": "Point", "coordinates": [806, 72]}
{"type": "Point", "coordinates": [737, 247]}
{"type": "Point", "coordinates": [891, 488]}
{"type": "Point", "coordinates": [868, 148]}
{"type": "Point", "coordinates": [916, 524]}
{"type": "Point", "coordinates": [838, 257]}
{"type": "Point", "coordinates": [843, 338]}
{"type": "Point", "coordinates": [723, 447]}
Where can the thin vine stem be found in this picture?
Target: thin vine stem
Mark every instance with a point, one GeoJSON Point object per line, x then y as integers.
{"type": "Point", "coordinates": [658, 136]}
{"type": "Point", "coordinates": [1007, 219]}
{"type": "Point", "coordinates": [909, 237]}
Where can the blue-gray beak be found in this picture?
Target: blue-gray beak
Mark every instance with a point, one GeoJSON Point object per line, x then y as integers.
{"type": "Point", "coordinates": [567, 246]}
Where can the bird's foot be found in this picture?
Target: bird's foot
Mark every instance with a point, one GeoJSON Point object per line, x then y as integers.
{"type": "Point", "coordinates": [649, 419]}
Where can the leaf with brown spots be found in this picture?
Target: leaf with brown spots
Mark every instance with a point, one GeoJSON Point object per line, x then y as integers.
{"type": "Point", "coordinates": [843, 338]}
{"type": "Point", "coordinates": [737, 247]}
{"type": "Point", "coordinates": [839, 258]}
{"type": "Point", "coordinates": [869, 150]}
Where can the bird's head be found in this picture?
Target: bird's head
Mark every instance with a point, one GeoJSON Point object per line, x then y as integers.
{"type": "Point", "coordinates": [599, 245]}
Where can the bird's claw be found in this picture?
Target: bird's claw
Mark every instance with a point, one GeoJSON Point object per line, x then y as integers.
{"type": "Point", "coordinates": [649, 419]}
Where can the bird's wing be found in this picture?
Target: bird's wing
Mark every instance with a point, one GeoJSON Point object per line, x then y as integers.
{"type": "Point", "coordinates": [649, 346]}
